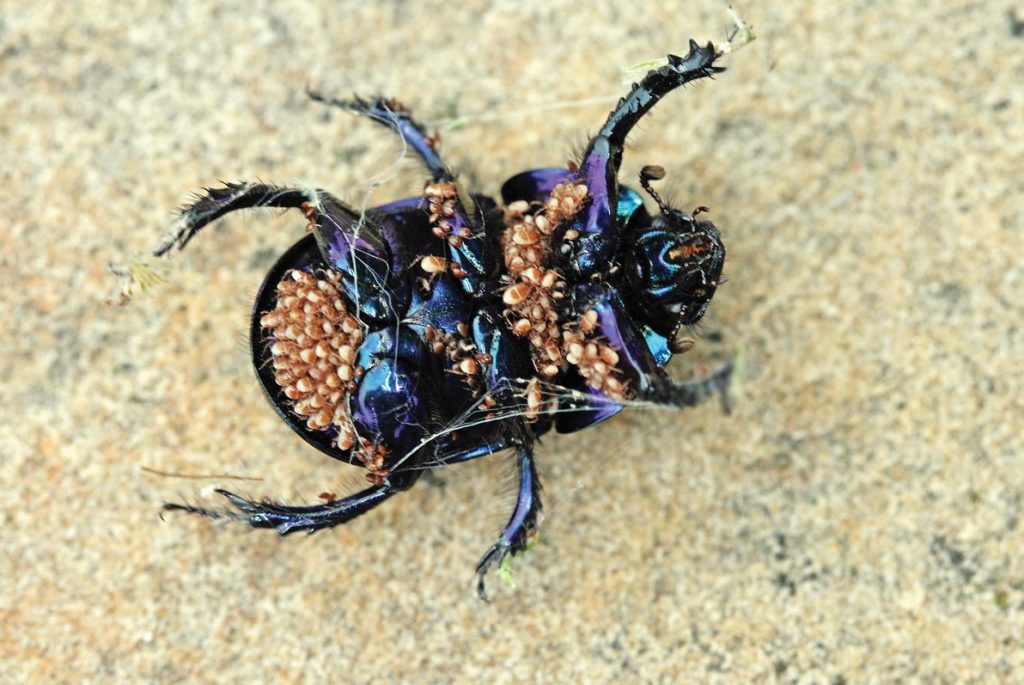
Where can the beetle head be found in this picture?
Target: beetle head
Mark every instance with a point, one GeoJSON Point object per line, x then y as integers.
{"type": "Point", "coordinates": [674, 265]}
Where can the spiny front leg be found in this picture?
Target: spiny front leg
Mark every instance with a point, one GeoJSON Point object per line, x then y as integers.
{"type": "Point", "coordinates": [288, 519]}
{"type": "Point", "coordinates": [599, 168]}
{"type": "Point", "coordinates": [397, 117]}
{"type": "Point", "coordinates": [521, 524]}
{"type": "Point", "coordinates": [697, 64]}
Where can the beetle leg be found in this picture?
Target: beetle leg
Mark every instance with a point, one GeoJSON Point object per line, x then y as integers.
{"type": "Point", "coordinates": [697, 64]}
{"type": "Point", "coordinates": [323, 210]}
{"type": "Point", "coordinates": [288, 519]}
{"type": "Point", "coordinates": [216, 202]}
{"type": "Point", "coordinates": [448, 213]}
{"type": "Point", "coordinates": [600, 166]}
{"type": "Point", "coordinates": [350, 242]}
{"type": "Point", "coordinates": [691, 393]}
{"type": "Point", "coordinates": [521, 524]}
{"type": "Point", "coordinates": [397, 117]}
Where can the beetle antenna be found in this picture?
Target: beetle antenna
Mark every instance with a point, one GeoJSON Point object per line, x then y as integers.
{"type": "Point", "coordinates": [653, 173]}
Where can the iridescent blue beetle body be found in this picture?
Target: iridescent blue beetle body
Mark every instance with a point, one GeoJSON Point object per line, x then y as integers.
{"type": "Point", "coordinates": [442, 328]}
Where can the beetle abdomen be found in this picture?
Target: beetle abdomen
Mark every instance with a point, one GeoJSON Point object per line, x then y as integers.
{"type": "Point", "coordinates": [314, 349]}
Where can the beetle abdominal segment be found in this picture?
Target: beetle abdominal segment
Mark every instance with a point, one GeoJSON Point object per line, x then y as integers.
{"type": "Point", "coordinates": [314, 350]}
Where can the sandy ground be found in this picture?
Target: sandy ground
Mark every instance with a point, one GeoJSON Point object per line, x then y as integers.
{"type": "Point", "coordinates": [856, 519]}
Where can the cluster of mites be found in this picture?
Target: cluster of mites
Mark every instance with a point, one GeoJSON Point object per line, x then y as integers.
{"type": "Point", "coordinates": [535, 290]}
{"type": "Point", "coordinates": [531, 294]}
{"type": "Point", "coordinates": [314, 354]}
{"type": "Point", "coordinates": [315, 337]}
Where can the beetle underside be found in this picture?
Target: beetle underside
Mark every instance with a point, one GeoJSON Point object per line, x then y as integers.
{"type": "Point", "coordinates": [442, 328]}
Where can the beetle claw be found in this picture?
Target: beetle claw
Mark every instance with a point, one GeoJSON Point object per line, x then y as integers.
{"type": "Point", "coordinates": [493, 557]}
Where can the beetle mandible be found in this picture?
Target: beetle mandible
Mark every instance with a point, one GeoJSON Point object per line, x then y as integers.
{"type": "Point", "coordinates": [442, 328]}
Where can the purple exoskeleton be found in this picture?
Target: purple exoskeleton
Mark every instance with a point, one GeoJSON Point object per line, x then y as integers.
{"type": "Point", "coordinates": [445, 327]}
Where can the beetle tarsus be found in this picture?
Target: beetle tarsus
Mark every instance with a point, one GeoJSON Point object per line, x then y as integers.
{"type": "Point", "coordinates": [521, 524]}
{"type": "Point", "coordinates": [493, 557]}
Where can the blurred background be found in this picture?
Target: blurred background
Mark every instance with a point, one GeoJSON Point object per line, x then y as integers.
{"type": "Point", "coordinates": [856, 518]}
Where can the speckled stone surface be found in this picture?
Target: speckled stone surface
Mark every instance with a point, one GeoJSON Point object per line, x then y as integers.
{"type": "Point", "coordinates": [856, 519]}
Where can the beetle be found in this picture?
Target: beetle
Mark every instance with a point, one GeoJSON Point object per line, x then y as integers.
{"type": "Point", "coordinates": [445, 327]}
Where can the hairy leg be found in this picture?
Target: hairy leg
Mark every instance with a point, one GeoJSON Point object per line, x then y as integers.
{"type": "Point", "coordinates": [288, 519]}
{"type": "Point", "coordinates": [521, 524]}
{"type": "Point", "coordinates": [351, 243]}
{"type": "Point", "coordinates": [449, 217]}
{"type": "Point", "coordinates": [397, 117]}
{"type": "Point", "coordinates": [217, 202]}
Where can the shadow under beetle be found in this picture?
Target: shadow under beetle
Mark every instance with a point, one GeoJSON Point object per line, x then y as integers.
{"type": "Point", "coordinates": [442, 328]}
